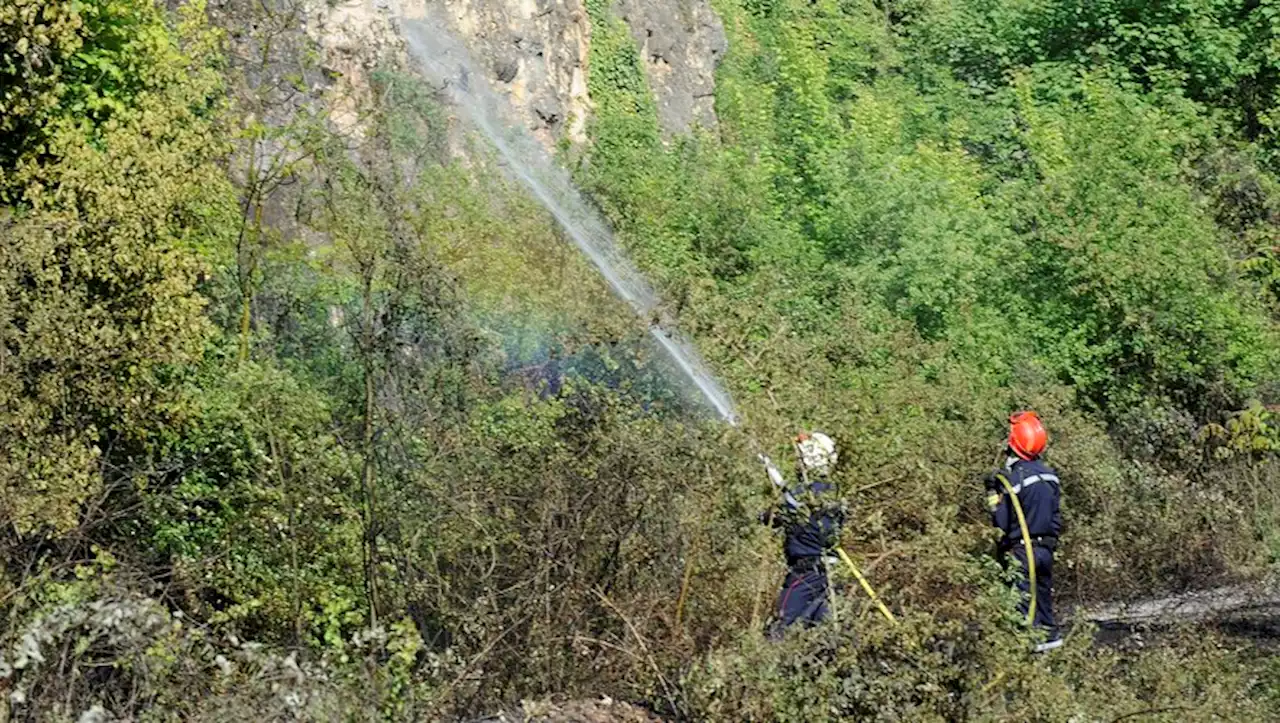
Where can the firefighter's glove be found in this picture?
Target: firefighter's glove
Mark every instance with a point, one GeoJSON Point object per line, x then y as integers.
{"type": "Point", "coordinates": [991, 483]}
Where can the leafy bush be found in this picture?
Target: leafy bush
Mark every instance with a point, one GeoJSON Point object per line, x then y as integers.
{"type": "Point", "coordinates": [98, 306]}
{"type": "Point", "coordinates": [358, 403]}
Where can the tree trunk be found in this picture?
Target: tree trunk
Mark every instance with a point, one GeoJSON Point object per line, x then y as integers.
{"type": "Point", "coordinates": [367, 475]}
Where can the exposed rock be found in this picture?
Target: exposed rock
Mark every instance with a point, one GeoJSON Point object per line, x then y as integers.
{"type": "Point", "coordinates": [535, 52]}
{"type": "Point", "coordinates": [354, 38]}
{"type": "Point", "coordinates": [681, 43]}
{"type": "Point", "coordinates": [536, 55]}
{"type": "Point", "coordinates": [276, 81]}
{"type": "Point", "coordinates": [303, 59]}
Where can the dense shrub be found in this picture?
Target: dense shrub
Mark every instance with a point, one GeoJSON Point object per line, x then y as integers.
{"type": "Point", "coordinates": [355, 401]}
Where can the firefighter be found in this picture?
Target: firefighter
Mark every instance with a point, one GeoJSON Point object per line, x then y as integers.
{"type": "Point", "coordinates": [1024, 497]}
{"type": "Point", "coordinates": [811, 516]}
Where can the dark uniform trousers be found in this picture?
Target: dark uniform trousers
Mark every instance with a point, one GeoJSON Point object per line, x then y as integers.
{"type": "Point", "coordinates": [1043, 553]}
{"type": "Point", "coordinates": [804, 595]}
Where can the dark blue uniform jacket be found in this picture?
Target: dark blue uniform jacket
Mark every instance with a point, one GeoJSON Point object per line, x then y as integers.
{"type": "Point", "coordinates": [812, 518]}
{"type": "Point", "coordinates": [1039, 493]}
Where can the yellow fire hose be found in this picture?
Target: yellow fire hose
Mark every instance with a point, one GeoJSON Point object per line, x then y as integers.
{"type": "Point", "coordinates": [1026, 541]}
{"type": "Point", "coordinates": [1027, 546]}
{"type": "Point", "coordinates": [866, 586]}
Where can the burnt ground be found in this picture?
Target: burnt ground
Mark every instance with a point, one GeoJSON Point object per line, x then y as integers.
{"type": "Point", "coordinates": [1248, 612]}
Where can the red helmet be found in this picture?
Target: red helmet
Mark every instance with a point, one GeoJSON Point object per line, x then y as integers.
{"type": "Point", "coordinates": [1027, 437]}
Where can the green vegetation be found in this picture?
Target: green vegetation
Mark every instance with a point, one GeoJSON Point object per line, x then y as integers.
{"type": "Point", "coordinates": [347, 397]}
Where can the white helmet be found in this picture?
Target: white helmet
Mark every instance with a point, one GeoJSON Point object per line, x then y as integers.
{"type": "Point", "coordinates": [817, 453]}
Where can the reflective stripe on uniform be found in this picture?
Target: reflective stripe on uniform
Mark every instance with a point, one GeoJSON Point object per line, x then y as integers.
{"type": "Point", "coordinates": [1032, 480]}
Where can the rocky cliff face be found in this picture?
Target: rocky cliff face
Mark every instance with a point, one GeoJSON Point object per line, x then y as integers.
{"type": "Point", "coordinates": [681, 42]}
{"type": "Point", "coordinates": [536, 53]}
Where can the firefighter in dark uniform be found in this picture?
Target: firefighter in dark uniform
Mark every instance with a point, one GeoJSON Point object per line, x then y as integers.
{"type": "Point", "coordinates": [1037, 490]}
{"type": "Point", "coordinates": [811, 515]}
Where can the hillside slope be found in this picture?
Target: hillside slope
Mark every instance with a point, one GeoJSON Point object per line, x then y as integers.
{"type": "Point", "coordinates": [309, 411]}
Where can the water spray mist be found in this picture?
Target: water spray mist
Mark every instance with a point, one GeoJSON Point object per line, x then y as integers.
{"type": "Point", "coordinates": [444, 60]}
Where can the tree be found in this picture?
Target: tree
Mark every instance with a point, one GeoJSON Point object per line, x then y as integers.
{"type": "Point", "coordinates": [98, 305]}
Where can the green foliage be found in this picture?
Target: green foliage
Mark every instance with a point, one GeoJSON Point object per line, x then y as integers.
{"type": "Point", "coordinates": [1220, 52]}
{"type": "Point", "coordinates": [261, 527]}
{"type": "Point", "coordinates": [354, 398]}
{"type": "Point", "coordinates": [98, 307]}
{"type": "Point", "coordinates": [1265, 267]}
{"type": "Point", "coordinates": [930, 672]}
{"type": "Point", "coordinates": [1123, 268]}
{"type": "Point", "coordinates": [71, 67]}
{"type": "Point", "coordinates": [896, 204]}
{"type": "Point", "coordinates": [912, 260]}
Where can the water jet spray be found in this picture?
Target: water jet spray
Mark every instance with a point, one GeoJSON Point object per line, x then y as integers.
{"type": "Point", "coordinates": [446, 61]}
